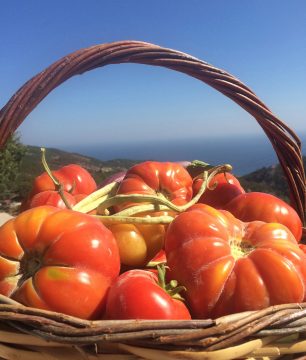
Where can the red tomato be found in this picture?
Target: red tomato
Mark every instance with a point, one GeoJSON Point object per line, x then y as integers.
{"type": "Point", "coordinates": [160, 257]}
{"type": "Point", "coordinates": [229, 266]}
{"type": "Point", "coordinates": [136, 294]}
{"type": "Point", "coordinates": [74, 179]}
{"type": "Point", "coordinates": [165, 178]}
{"type": "Point", "coordinates": [58, 260]}
{"type": "Point", "coordinates": [303, 247]}
{"type": "Point", "coordinates": [52, 198]}
{"type": "Point", "coordinates": [268, 208]}
{"type": "Point", "coordinates": [227, 188]}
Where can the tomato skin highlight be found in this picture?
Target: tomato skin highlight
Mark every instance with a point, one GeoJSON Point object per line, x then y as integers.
{"type": "Point", "coordinates": [227, 188]}
{"type": "Point", "coordinates": [137, 295]}
{"type": "Point", "coordinates": [265, 207]}
{"type": "Point", "coordinates": [66, 261]}
{"type": "Point", "coordinates": [230, 266]}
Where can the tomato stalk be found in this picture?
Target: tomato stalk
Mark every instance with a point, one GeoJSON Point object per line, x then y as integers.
{"type": "Point", "coordinates": [58, 186]}
{"type": "Point", "coordinates": [115, 219]}
{"type": "Point", "coordinates": [104, 198]}
{"type": "Point", "coordinates": [172, 287]}
{"type": "Point", "coordinates": [93, 200]}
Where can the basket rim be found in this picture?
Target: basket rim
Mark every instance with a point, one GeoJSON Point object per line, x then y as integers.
{"type": "Point", "coordinates": [284, 140]}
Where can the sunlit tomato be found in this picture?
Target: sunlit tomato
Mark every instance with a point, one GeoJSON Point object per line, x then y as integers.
{"type": "Point", "coordinates": [75, 180]}
{"type": "Point", "coordinates": [226, 188]}
{"type": "Point", "coordinates": [52, 198]}
{"type": "Point", "coordinates": [167, 179]}
{"type": "Point", "coordinates": [58, 260]}
{"type": "Point", "coordinates": [136, 294]}
{"type": "Point", "coordinates": [229, 266]}
{"type": "Point", "coordinates": [265, 207]}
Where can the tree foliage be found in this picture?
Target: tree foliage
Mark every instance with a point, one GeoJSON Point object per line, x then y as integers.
{"type": "Point", "coordinates": [10, 160]}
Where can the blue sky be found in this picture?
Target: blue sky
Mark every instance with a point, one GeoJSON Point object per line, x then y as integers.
{"type": "Point", "coordinates": [260, 42]}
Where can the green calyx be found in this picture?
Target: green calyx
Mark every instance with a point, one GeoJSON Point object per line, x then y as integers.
{"type": "Point", "coordinates": [172, 288]}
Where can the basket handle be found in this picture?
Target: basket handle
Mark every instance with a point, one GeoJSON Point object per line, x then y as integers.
{"type": "Point", "coordinates": [284, 141]}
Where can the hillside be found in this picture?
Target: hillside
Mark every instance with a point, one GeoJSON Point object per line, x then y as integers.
{"type": "Point", "coordinates": [31, 165]}
{"type": "Point", "coordinates": [57, 158]}
{"type": "Point", "coordinates": [268, 179]}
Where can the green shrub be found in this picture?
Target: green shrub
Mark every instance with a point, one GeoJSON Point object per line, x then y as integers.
{"type": "Point", "coordinates": [10, 159]}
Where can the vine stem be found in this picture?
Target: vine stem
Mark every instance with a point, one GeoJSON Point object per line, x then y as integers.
{"type": "Point", "coordinates": [137, 198]}
{"type": "Point", "coordinates": [159, 203]}
{"type": "Point", "coordinates": [115, 219]}
{"type": "Point", "coordinates": [103, 198]}
{"type": "Point", "coordinates": [133, 210]}
{"type": "Point", "coordinates": [58, 185]}
{"type": "Point", "coordinates": [92, 201]}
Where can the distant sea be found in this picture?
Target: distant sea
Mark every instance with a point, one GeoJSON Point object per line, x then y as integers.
{"type": "Point", "coordinates": [245, 154]}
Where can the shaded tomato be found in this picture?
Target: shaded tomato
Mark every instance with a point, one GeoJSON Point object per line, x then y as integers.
{"type": "Point", "coordinates": [167, 179]}
{"type": "Point", "coordinates": [229, 266]}
{"type": "Point", "coordinates": [136, 294]}
{"type": "Point", "coordinates": [58, 260]}
{"type": "Point", "coordinates": [268, 208]}
{"type": "Point", "coordinates": [139, 243]}
{"type": "Point", "coordinates": [227, 187]}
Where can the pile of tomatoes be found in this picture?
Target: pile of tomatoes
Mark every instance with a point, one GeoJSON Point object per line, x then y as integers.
{"type": "Point", "coordinates": [154, 246]}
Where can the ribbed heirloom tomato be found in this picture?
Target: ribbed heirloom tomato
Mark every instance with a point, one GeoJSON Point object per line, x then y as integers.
{"type": "Point", "coordinates": [58, 260]}
{"type": "Point", "coordinates": [167, 179]}
{"type": "Point", "coordinates": [229, 266]}
{"type": "Point", "coordinates": [139, 243]}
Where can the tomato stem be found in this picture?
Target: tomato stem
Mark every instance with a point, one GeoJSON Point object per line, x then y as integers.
{"type": "Point", "coordinates": [133, 210]}
{"type": "Point", "coordinates": [122, 198]}
{"type": "Point", "coordinates": [172, 287]}
{"type": "Point", "coordinates": [58, 185]}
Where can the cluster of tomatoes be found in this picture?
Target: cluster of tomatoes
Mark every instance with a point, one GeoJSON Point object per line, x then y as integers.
{"type": "Point", "coordinates": [226, 252]}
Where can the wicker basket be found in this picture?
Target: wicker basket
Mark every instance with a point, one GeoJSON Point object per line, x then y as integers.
{"type": "Point", "coordinates": [27, 333]}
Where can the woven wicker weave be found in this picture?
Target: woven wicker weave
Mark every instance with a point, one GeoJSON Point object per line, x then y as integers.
{"type": "Point", "coordinates": [27, 333]}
